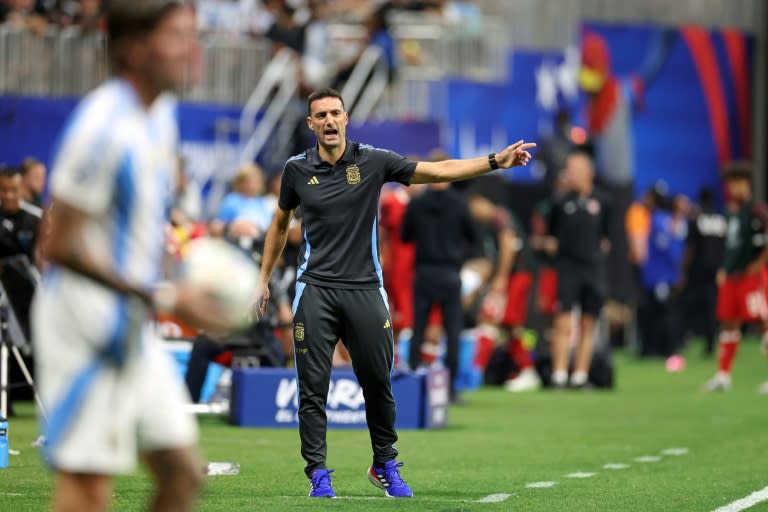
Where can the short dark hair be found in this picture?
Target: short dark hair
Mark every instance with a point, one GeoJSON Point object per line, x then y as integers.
{"type": "Point", "coordinates": [134, 19]}
{"type": "Point", "coordinates": [9, 172]}
{"type": "Point", "coordinates": [320, 94]}
{"type": "Point", "coordinates": [738, 170]}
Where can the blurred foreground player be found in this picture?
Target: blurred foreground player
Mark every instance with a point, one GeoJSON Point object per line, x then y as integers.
{"type": "Point", "coordinates": [339, 291]}
{"type": "Point", "coordinates": [741, 296]}
{"type": "Point", "coordinates": [112, 392]}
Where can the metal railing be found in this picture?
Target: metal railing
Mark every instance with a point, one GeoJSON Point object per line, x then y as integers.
{"type": "Point", "coordinates": [367, 84]}
{"type": "Point", "coordinates": [58, 63]}
{"type": "Point", "coordinates": [278, 83]}
{"type": "Point", "coordinates": [431, 47]}
{"type": "Point", "coordinates": [68, 62]}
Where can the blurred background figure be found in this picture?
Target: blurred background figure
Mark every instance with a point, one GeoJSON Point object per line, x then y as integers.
{"type": "Point", "coordinates": [741, 297]}
{"type": "Point", "coordinates": [555, 148]}
{"type": "Point", "coordinates": [505, 307]}
{"type": "Point", "coordinates": [578, 223]}
{"type": "Point", "coordinates": [33, 176]}
{"type": "Point", "coordinates": [659, 319]}
{"type": "Point", "coordinates": [705, 248]}
{"type": "Point", "coordinates": [397, 257]}
{"type": "Point", "coordinates": [439, 224]}
{"type": "Point", "coordinates": [245, 213]}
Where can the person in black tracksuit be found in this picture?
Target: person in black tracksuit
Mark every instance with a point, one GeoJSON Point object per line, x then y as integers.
{"type": "Point", "coordinates": [441, 226]}
{"type": "Point", "coordinates": [339, 289]}
{"type": "Point", "coordinates": [706, 249]}
{"type": "Point", "coordinates": [579, 223]}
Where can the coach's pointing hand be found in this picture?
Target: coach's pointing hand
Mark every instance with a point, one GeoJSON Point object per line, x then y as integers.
{"type": "Point", "coordinates": [514, 155]}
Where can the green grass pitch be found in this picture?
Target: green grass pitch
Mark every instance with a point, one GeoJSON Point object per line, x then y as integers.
{"type": "Point", "coordinates": [497, 444]}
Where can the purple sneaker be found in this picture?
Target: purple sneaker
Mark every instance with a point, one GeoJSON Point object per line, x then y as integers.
{"type": "Point", "coordinates": [388, 478]}
{"type": "Point", "coordinates": [320, 484]}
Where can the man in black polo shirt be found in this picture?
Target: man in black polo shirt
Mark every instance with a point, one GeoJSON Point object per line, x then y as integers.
{"type": "Point", "coordinates": [339, 289]}
{"type": "Point", "coordinates": [579, 223]}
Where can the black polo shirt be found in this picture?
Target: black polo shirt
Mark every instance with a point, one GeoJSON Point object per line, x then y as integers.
{"type": "Point", "coordinates": [579, 223]}
{"type": "Point", "coordinates": [339, 205]}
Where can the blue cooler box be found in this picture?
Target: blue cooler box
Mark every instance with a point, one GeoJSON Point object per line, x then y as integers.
{"type": "Point", "coordinates": [268, 397]}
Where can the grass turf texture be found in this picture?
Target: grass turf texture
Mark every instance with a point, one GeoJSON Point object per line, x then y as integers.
{"type": "Point", "coordinates": [496, 444]}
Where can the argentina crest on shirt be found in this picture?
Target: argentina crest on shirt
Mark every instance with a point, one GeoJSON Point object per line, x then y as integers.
{"type": "Point", "coordinates": [353, 174]}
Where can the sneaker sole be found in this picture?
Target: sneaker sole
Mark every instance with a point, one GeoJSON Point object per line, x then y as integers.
{"type": "Point", "coordinates": [327, 497]}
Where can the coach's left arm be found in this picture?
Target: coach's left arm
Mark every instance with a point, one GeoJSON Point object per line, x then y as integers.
{"type": "Point", "coordinates": [456, 170]}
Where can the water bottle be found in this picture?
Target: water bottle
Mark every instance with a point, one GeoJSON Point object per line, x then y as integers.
{"type": "Point", "coordinates": [3, 443]}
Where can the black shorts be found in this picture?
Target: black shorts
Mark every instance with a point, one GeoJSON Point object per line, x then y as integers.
{"type": "Point", "coordinates": [580, 285]}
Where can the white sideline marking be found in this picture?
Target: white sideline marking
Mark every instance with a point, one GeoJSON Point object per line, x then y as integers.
{"type": "Point", "coordinates": [675, 451]}
{"type": "Point", "coordinates": [615, 466]}
{"type": "Point", "coordinates": [745, 503]}
{"type": "Point", "coordinates": [580, 474]}
{"type": "Point", "coordinates": [494, 498]}
{"type": "Point", "coordinates": [648, 458]}
{"type": "Point", "coordinates": [540, 485]}
{"type": "Point", "coordinates": [367, 498]}
{"type": "Point", "coordinates": [10, 494]}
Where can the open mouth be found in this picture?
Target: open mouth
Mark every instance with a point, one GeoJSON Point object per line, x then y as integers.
{"type": "Point", "coordinates": [331, 132]}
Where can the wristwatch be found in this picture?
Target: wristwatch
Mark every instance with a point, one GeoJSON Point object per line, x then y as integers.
{"type": "Point", "coordinates": [492, 161]}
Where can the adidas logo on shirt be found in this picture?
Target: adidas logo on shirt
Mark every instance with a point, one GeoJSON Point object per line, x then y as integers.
{"type": "Point", "coordinates": [313, 181]}
{"type": "Point", "coordinates": [387, 324]}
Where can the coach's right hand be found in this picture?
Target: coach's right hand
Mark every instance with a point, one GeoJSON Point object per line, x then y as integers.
{"type": "Point", "coordinates": [261, 301]}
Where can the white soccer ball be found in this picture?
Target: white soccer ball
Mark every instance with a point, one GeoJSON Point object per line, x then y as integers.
{"type": "Point", "coordinates": [228, 272]}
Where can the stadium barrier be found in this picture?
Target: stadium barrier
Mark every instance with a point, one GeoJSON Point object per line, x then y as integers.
{"type": "Point", "coordinates": [268, 397]}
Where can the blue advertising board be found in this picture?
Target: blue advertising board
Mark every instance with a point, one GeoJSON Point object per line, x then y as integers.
{"type": "Point", "coordinates": [269, 397]}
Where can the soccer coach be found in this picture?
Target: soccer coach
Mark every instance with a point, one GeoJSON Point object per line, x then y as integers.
{"type": "Point", "coordinates": [339, 288]}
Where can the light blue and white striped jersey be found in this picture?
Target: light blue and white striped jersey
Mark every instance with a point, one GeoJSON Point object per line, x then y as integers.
{"type": "Point", "coordinates": [117, 163]}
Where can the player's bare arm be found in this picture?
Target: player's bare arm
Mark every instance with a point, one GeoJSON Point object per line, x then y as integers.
{"type": "Point", "coordinates": [455, 170]}
{"type": "Point", "coordinates": [274, 244]}
{"type": "Point", "coordinates": [65, 244]}
{"type": "Point", "coordinates": [508, 248]}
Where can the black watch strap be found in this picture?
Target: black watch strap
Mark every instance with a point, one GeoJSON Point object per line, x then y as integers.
{"type": "Point", "coordinates": [492, 161]}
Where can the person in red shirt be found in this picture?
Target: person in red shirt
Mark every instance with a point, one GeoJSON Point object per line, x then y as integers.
{"type": "Point", "coordinates": [397, 257]}
{"type": "Point", "coordinates": [741, 296]}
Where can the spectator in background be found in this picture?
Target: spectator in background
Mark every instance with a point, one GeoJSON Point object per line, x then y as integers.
{"type": "Point", "coordinates": [439, 224]}
{"type": "Point", "coordinates": [637, 223]}
{"type": "Point", "coordinates": [704, 256]}
{"type": "Point", "coordinates": [84, 14]}
{"type": "Point", "coordinates": [24, 14]}
{"type": "Point", "coordinates": [541, 243]}
{"type": "Point", "coordinates": [33, 176]}
{"type": "Point", "coordinates": [556, 147]}
{"type": "Point", "coordinates": [659, 319]}
{"type": "Point", "coordinates": [578, 224]}
{"type": "Point", "coordinates": [397, 257]}
{"type": "Point", "coordinates": [507, 303]}
{"type": "Point", "coordinates": [244, 214]}
{"type": "Point", "coordinates": [19, 225]}
{"type": "Point", "coordinates": [188, 199]}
